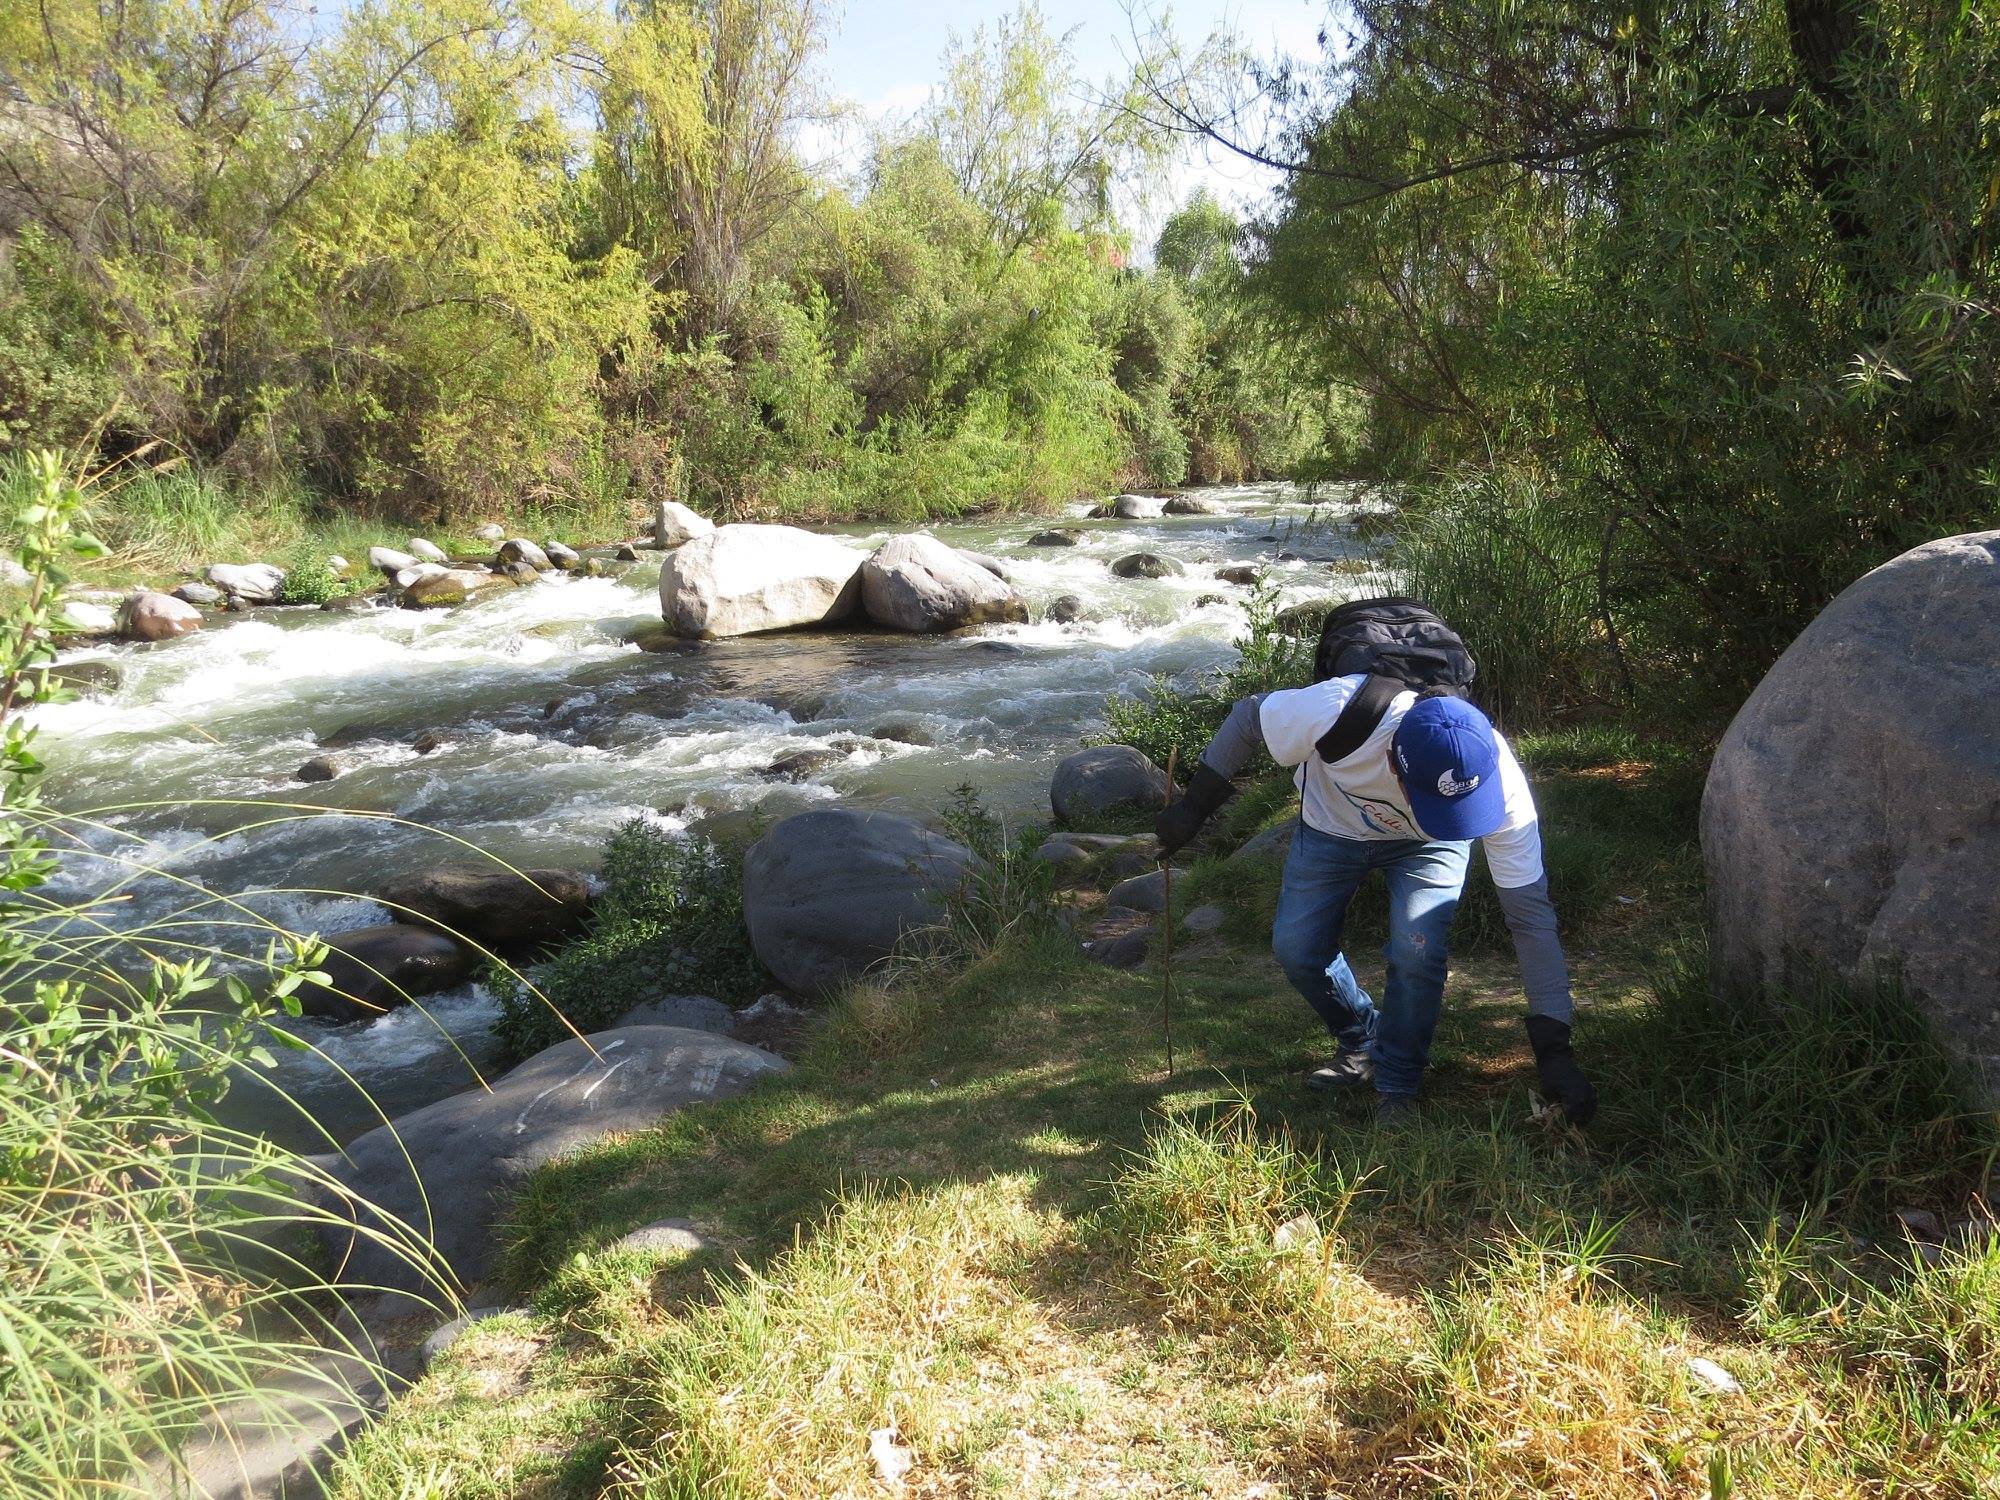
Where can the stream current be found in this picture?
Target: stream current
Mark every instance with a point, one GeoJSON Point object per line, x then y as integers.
{"type": "Point", "coordinates": [555, 728]}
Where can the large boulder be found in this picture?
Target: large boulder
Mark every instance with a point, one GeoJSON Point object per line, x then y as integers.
{"type": "Point", "coordinates": [370, 970]}
{"type": "Point", "coordinates": [1852, 816]}
{"type": "Point", "coordinates": [425, 550]}
{"type": "Point", "coordinates": [148, 616]}
{"type": "Point", "coordinates": [432, 587]}
{"type": "Point", "coordinates": [1137, 507]}
{"type": "Point", "coordinates": [917, 583]}
{"type": "Point", "coordinates": [831, 892]}
{"type": "Point", "coordinates": [675, 525]}
{"type": "Point", "coordinates": [493, 905]}
{"type": "Point", "coordinates": [1195, 505]}
{"type": "Point", "coordinates": [743, 579]}
{"type": "Point", "coordinates": [449, 1168]}
{"type": "Point", "coordinates": [389, 561]}
{"type": "Point", "coordinates": [248, 583]}
{"type": "Point", "coordinates": [1105, 779]}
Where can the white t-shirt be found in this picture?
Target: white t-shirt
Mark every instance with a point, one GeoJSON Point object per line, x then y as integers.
{"type": "Point", "coordinates": [1360, 798]}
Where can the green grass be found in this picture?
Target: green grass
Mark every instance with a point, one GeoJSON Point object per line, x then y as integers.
{"type": "Point", "coordinates": [977, 1211]}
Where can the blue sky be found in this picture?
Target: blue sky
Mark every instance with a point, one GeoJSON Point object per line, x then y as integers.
{"type": "Point", "coordinates": [883, 55]}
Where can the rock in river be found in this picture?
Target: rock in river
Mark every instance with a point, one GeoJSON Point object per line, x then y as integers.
{"type": "Point", "coordinates": [373, 969]}
{"type": "Point", "coordinates": [1195, 505]}
{"type": "Point", "coordinates": [248, 583]}
{"type": "Point", "coordinates": [829, 893]}
{"type": "Point", "coordinates": [439, 588]}
{"type": "Point", "coordinates": [148, 616]}
{"type": "Point", "coordinates": [1137, 507]}
{"type": "Point", "coordinates": [450, 1168]}
{"type": "Point", "coordinates": [520, 550]}
{"type": "Point", "coordinates": [319, 768]}
{"type": "Point", "coordinates": [674, 525]}
{"type": "Point", "coordinates": [199, 593]}
{"type": "Point", "coordinates": [1852, 816]}
{"type": "Point", "coordinates": [742, 579]}
{"type": "Point", "coordinates": [565, 557]}
{"type": "Point", "coordinates": [88, 617]}
{"type": "Point", "coordinates": [493, 905]}
{"type": "Point", "coordinates": [1145, 565]}
{"type": "Point", "coordinates": [1104, 779]}
{"type": "Point", "coordinates": [919, 584]}
{"type": "Point", "coordinates": [1065, 609]}
{"type": "Point", "coordinates": [1244, 575]}
{"type": "Point", "coordinates": [1066, 537]}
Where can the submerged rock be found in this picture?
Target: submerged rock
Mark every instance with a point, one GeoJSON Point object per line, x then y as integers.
{"type": "Point", "coordinates": [1145, 565]}
{"type": "Point", "coordinates": [452, 1167]}
{"type": "Point", "coordinates": [1065, 609]}
{"type": "Point", "coordinates": [1245, 575]}
{"type": "Point", "coordinates": [919, 584]}
{"type": "Point", "coordinates": [829, 893]}
{"type": "Point", "coordinates": [374, 969]}
{"type": "Point", "coordinates": [1105, 779]}
{"type": "Point", "coordinates": [1065, 537]}
{"type": "Point", "coordinates": [319, 768]}
{"type": "Point", "coordinates": [745, 579]}
{"type": "Point", "coordinates": [493, 905]}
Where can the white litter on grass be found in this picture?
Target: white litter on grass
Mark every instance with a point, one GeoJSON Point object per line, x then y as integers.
{"type": "Point", "coordinates": [892, 1458]}
{"type": "Point", "coordinates": [1302, 1230]}
{"type": "Point", "coordinates": [1712, 1375]}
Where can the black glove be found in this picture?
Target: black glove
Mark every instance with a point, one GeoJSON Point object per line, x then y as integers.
{"type": "Point", "coordinates": [1562, 1079]}
{"type": "Point", "coordinates": [1207, 790]}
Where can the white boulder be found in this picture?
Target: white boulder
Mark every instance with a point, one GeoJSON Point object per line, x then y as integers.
{"type": "Point", "coordinates": [743, 579]}
{"type": "Point", "coordinates": [675, 525]}
{"type": "Point", "coordinates": [918, 583]}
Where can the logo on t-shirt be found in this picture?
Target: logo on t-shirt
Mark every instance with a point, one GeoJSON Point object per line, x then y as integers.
{"type": "Point", "coordinates": [1451, 786]}
{"type": "Point", "coordinates": [1383, 817]}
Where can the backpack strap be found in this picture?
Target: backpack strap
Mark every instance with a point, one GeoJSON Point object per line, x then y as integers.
{"type": "Point", "coordinates": [1358, 719]}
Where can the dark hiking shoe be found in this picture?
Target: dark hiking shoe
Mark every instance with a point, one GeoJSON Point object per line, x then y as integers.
{"type": "Point", "coordinates": [1395, 1109]}
{"type": "Point", "coordinates": [1349, 1070]}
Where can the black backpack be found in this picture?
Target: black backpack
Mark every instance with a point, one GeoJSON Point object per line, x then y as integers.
{"type": "Point", "coordinates": [1400, 644]}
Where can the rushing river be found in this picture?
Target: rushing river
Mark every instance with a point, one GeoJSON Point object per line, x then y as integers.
{"type": "Point", "coordinates": [555, 728]}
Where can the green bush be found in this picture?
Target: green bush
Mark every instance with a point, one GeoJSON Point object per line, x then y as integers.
{"type": "Point", "coordinates": [310, 580]}
{"type": "Point", "coordinates": [153, 1276]}
{"type": "Point", "coordinates": [670, 922]}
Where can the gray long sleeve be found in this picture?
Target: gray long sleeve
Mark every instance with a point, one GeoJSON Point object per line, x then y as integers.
{"type": "Point", "coordinates": [1531, 918]}
{"type": "Point", "coordinates": [1240, 737]}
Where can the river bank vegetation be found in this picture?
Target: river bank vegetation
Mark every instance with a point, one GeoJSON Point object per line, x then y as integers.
{"type": "Point", "coordinates": [424, 262]}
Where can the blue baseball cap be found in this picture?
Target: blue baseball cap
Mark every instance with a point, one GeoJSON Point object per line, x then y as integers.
{"type": "Point", "coordinates": [1450, 765]}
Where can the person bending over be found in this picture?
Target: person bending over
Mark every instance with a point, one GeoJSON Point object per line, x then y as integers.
{"type": "Point", "coordinates": [1430, 778]}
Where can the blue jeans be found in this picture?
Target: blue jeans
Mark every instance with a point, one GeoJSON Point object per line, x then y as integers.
{"type": "Point", "coordinates": [1322, 873]}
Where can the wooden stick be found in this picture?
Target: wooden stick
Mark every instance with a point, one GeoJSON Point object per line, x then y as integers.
{"type": "Point", "coordinates": [1167, 926]}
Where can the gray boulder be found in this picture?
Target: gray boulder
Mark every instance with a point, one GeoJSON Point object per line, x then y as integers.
{"type": "Point", "coordinates": [1137, 507]}
{"type": "Point", "coordinates": [919, 584]}
{"type": "Point", "coordinates": [563, 556]}
{"type": "Point", "coordinates": [1851, 820]}
{"type": "Point", "coordinates": [490, 532]}
{"type": "Point", "coordinates": [148, 616]}
{"type": "Point", "coordinates": [1147, 893]}
{"type": "Point", "coordinates": [450, 1168]}
{"type": "Point", "coordinates": [831, 892]}
{"type": "Point", "coordinates": [1065, 537]}
{"type": "Point", "coordinates": [1269, 847]}
{"type": "Point", "coordinates": [1065, 609]}
{"type": "Point", "coordinates": [520, 550]}
{"type": "Point", "coordinates": [1104, 779]}
{"type": "Point", "coordinates": [373, 969]}
{"type": "Point", "coordinates": [492, 905]}
{"type": "Point", "coordinates": [1145, 565]}
{"type": "Point", "coordinates": [88, 617]}
{"type": "Point", "coordinates": [248, 583]}
{"type": "Point", "coordinates": [743, 579]}
{"type": "Point", "coordinates": [388, 561]}
{"type": "Point", "coordinates": [425, 550]}
{"type": "Point", "coordinates": [199, 593]}
{"type": "Point", "coordinates": [432, 587]}
{"type": "Point", "coordinates": [319, 768]}
{"type": "Point", "coordinates": [675, 525]}
{"type": "Point", "coordinates": [1244, 575]}
{"type": "Point", "coordinates": [1195, 505]}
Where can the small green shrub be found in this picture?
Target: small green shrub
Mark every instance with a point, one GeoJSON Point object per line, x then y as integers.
{"type": "Point", "coordinates": [310, 580]}
{"type": "Point", "coordinates": [670, 922]}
